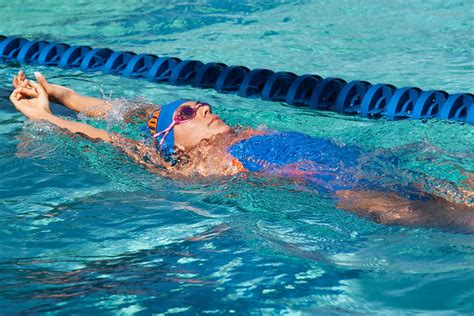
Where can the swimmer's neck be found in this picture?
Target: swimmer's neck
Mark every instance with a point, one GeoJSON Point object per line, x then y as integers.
{"type": "Point", "coordinates": [234, 136]}
{"type": "Point", "coordinates": [229, 138]}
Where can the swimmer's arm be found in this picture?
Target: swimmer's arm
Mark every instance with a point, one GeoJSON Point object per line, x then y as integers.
{"type": "Point", "coordinates": [69, 98]}
{"type": "Point", "coordinates": [137, 151]}
{"type": "Point", "coordinates": [142, 154]}
{"type": "Point", "coordinates": [78, 128]}
{"type": "Point", "coordinates": [33, 103]}
{"type": "Point", "coordinates": [74, 101]}
{"type": "Point", "coordinates": [89, 106]}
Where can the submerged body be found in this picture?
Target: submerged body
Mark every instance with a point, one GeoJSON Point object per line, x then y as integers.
{"type": "Point", "coordinates": [190, 140]}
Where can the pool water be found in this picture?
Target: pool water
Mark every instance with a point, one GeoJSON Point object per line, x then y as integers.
{"type": "Point", "coordinates": [85, 230]}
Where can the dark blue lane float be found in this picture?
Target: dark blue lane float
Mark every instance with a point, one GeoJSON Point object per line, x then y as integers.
{"type": "Point", "coordinates": [331, 94]}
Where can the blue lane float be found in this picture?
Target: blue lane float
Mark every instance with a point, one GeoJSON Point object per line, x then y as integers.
{"type": "Point", "coordinates": [309, 90]}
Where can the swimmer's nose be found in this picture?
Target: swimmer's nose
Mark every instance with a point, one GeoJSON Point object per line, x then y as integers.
{"type": "Point", "coordinates": [205, 110]}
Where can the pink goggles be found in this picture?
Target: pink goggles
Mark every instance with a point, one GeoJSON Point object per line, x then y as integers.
{"type": "Point", "coordinates": [184, 114]}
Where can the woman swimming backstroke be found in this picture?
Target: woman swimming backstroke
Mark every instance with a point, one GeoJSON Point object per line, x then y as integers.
{"type": "Point", "coordinates": [190, 140]}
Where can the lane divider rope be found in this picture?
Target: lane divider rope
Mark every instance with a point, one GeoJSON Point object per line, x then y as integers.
{"type": "Point", "coordinates": [331, 94]}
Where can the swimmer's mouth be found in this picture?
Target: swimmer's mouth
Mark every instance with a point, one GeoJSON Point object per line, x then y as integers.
{"type": "Point", "coordinates": [212, 121]}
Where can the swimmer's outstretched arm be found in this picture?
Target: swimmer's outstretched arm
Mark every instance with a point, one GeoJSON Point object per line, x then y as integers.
{"type": "Point", "coordinates": [65, 96]}
{"type": "Point", "coordinates": [33, 102]}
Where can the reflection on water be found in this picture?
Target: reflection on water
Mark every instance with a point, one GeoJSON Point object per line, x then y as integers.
{"type": "Point", "coordinates": [209, 272]}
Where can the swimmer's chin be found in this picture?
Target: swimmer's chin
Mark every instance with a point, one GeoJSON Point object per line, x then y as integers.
{"type": "Point", "coordinates": [226, 133]}
{"type": "Point", "coordinates": [221, 127]}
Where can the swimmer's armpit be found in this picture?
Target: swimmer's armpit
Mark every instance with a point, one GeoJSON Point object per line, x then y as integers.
{"type": "Point", "coordinates": [142, 154]}
{"type": "Point", "coordinates": [139, 115]}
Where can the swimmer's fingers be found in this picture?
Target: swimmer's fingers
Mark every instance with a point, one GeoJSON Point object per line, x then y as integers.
{"type": "Point", "coordinates": [20, 80]}
{"type": "Point", "coordinates": [40, 90]}
{"type": "Point", "coordinates": [28, 92]}
{"type": "Point", "coordinates": [22, 93]}
{"type": "Point", "coordinates": [25, 83]}
{"type": "Point", "coordinates": [21, 75]}
{"type": "Point", "coordinates": [42, 102]}
{"type": "Point", "coordinates": [16, 82]}
{"type": "Point", "coordinates": [16, 95]}
{"type": "Point", "coordinates": [13, 95]}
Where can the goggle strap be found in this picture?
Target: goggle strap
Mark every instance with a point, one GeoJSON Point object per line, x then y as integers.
{"type": "Point", "coordinates": [165, 132]}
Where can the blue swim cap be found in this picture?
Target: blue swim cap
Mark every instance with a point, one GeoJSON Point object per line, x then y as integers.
{"type": "Point", "coordinates": [164, 121]}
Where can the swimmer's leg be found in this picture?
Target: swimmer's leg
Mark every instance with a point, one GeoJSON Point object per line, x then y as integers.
{"type": "Point", "coordinates": [393, 209]}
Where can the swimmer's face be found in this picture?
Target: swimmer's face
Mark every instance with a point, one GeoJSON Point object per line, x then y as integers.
{"type": "Point", "coordinates": [204, 125]}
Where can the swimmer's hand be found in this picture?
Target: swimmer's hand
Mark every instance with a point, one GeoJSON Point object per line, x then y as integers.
{"type": "Point", "coordinates": [55, 93]}
{"type": "Point", "coordinates": [37, 108]}
{"type": "Point", "coordinates": [20, 81]}
{"type": "Point", "coordinates": [62, 95]}
{"type": "Point", "coordinates": [31, 100]}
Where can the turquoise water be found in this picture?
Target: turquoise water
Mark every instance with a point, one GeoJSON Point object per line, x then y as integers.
{"type": "Point", "coordinates": [84, 230]}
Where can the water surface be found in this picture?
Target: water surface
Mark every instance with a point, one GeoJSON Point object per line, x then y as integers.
{"type": "Point", "coordinates": [84, 230]}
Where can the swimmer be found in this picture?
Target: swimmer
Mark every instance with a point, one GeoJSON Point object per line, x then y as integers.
{"type": "Point", "coordinates": [188, 139]}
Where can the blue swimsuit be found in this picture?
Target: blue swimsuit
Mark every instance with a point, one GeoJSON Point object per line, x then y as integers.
{"type": "Point", "coordinates": [318, 160]}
